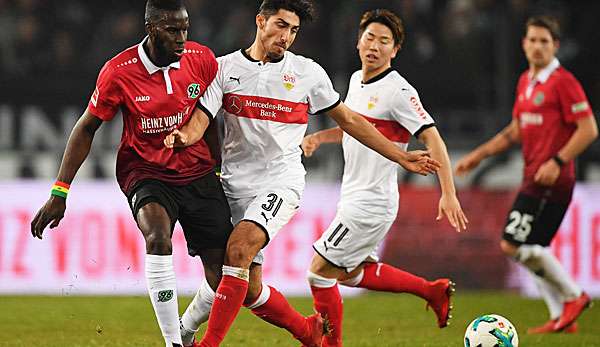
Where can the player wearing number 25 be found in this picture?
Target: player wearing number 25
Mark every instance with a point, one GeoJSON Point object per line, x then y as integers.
{"type": "Point", "coordinates": [553, 121]}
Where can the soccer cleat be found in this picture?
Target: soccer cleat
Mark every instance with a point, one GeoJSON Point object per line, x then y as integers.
{"type": "Point", "coordinates": [572, 310]}
{"type": "Point", "coordinates": [439, 301]}
{"type": "Point", "coordinates": [318, 327]}
{"type": "Point", "coordinates": [548, 328]}
{"type": "Point", "coordinates": [195, 343]}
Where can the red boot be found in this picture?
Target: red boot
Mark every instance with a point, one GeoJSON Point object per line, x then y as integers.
{"type": "Point", "coordinates": [439, 300]}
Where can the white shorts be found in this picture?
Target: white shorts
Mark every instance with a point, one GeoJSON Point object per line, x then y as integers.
{"type": "Point", "coordinates": [349, 242]}
{"type": "Point", "coordinates": [272, 209]}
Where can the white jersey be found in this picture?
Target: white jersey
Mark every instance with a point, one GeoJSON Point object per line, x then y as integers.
{"type": "Point", "coordinates": [265, 108]}
{"type": "Point", "coordinates": [370, 182]}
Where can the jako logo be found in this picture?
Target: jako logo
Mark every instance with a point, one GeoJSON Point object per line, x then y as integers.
{"type": "Point", "coordinates": [142, 98]}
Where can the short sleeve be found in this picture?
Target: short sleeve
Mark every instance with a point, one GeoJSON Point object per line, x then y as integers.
{"type": "Point", "coordinates": [515, 109]}
{"type": "Point", "coordinates": [106, 99]}
{"type": "Point", "coordinates": [409, 112]}
{"type": "Point", "coordinates": [322, 97]}
{"type": "Point", "coordinates": [209, 68]}
{"type": "Point", "coordinates": [212, 100]}
{"type": "Point", "coordinates": [573, 101]}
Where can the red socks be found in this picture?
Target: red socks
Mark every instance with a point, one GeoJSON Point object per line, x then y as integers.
{"type": "Point", "coordinates": [328, 302]}
{"type": "Point", "coordinates": [386, 278]}
{"type": "Point", "coordinates": [278, 311]}
{"type": "Point", "coordinates": [228, 300]}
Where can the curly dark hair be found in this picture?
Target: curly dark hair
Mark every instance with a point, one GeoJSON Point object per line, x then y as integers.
{"type": "Point", "coordinates": [304, 9]}
{"type": "Point", "coordinates": [387, 18]}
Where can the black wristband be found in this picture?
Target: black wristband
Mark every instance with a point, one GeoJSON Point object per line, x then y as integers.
{"type": "Point", "coordinates": [559, 161]}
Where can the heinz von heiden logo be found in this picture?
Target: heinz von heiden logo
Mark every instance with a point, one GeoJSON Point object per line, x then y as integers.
{"type": "Point", "coordinates": [155, 125]}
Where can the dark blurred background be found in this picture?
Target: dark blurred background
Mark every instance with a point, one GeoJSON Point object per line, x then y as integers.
{"type": "Point", "coordinates": [463, 56]}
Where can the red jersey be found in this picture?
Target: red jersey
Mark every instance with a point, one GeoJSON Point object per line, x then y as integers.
{"type": "Point", "coordinates": [154, 101]}
{"type": "Point", "coordinates": [547, 107]}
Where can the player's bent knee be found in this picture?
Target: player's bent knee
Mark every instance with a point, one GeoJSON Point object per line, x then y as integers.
{"type": "Point", "coordinates": [158, 243]}
{"type": "Point", "coordinates": [239, 255]}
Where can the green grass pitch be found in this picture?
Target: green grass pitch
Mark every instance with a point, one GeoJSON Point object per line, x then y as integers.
{"type": "Point", "coordinates": [370, 320]}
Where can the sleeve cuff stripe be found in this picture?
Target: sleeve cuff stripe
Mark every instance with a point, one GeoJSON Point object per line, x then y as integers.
{"type": "Point", "coordinates": [205, 110]}
{"type": "Point", "coordinates": [335, 104]}
{"type": "Point", "coordinates": [423, 128]}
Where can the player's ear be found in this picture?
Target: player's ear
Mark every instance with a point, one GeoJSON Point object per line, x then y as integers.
{"type": "Point", "coordinates": [149, 28]}
{"type": "Point", "coordinates": [395, 51]}
{"type": "Point", "coordinates": [260, 21]}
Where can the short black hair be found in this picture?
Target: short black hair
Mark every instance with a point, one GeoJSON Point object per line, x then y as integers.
{"type": "Point", "coordinates": [155, 7]}
{"type": "Point", "coordinates": [387, 18]}
{"type": "Point", "coordinates": [545, 21]}
{"type": "Point", "coordinates": [304, 9]}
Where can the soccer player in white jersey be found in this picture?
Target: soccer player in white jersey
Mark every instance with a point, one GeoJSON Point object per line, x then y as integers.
{"type": "Point", "coordinates": [266, 93]}
{"type": "Point", "coordinates": [346, 252]}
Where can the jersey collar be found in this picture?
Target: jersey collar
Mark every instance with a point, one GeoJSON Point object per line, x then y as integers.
{"type": "Point", "coordinates": [545, 73]}
{"type": "Point", "coordinates": [247, 56]}
{"type": "Point", "coordinates": [378, 77]}
{"type": "Point", "coordinates": [148, 64]}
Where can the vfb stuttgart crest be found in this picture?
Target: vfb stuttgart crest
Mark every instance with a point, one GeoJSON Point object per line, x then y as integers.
{"type": "Point", "coordinates": [289, 81]}
{"type": "Point", "coordinates": [193, 90]}
{"type": "Point", "coordinates": [372, 102]}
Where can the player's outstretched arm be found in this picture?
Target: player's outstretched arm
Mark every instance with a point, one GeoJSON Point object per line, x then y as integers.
{"type": "Point", "coordinates": [78, 148]}
{"type": "Point", "coordinates": [359, 128]}
{"type": "Point", "coordinates": [497, 144]}
{"type": "Point", "coordinates": [311, 142]}
{"type": "Point", "coordinates": [584, 135]}
{"type": "Point", "coordinates": [189, 133]}
{"type": "Point", "coordinates": [449, 204]}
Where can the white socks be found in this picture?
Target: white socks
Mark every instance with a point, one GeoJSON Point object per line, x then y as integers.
{"type": "Point", "coordinates": [162, 289]}
{"type": "Point", "coordinates": [544, 264]}
{"type": "Point", "coordinates": [238, 272]}
{"type": "Point", "coordinates": [319, 281]}
{"type": "Point", "coordinates": [197, 312]}
{"type": "Point", "coordinates": [551, 296]}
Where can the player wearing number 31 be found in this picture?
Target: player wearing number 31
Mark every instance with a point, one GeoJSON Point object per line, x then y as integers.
{"type": "Point", "coordinates": [554, 123]}
{"type": "Point", "coordinates": [266, 94]}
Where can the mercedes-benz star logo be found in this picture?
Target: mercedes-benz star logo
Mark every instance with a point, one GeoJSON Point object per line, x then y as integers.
{"type": "Point", "coordinates": [235, 104]}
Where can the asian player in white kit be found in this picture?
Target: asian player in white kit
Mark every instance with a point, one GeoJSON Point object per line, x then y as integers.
{"type": "Point", "coordinates": [346, 252]}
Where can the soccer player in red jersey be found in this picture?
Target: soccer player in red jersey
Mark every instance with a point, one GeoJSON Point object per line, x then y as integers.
{"type": "Point", "coordinates": [156, 85]}
{"type": "Point", "coordinates": [265, 93]}
{"type": "Point", "coordinates": [346, 252]}
{"type": "Point", "coordinates": [554, 123]}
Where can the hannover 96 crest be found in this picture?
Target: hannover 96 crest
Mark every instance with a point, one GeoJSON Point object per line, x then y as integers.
{"type": "Point", "coordinates": [538, 99]}
{"type": "Point", "coordinates": [193, 90]}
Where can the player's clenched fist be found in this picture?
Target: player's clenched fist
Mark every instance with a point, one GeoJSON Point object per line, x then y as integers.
{"type": "Point", "coordinates": [309, 145]}
{"type": "Point", "coordinates": [419, 162]}
{"type": "Point", "coordinates": [176, 139]}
